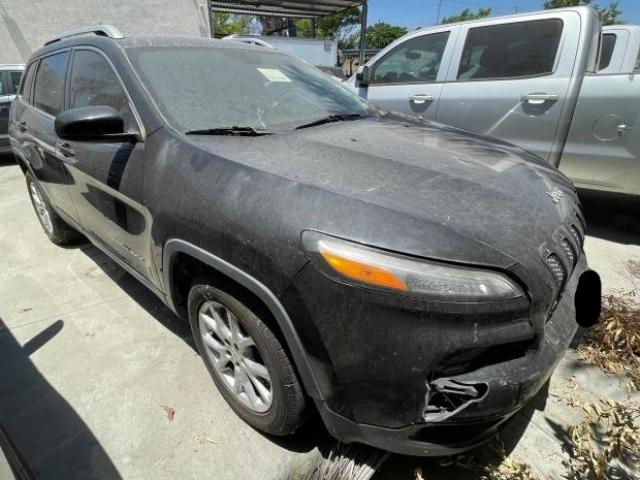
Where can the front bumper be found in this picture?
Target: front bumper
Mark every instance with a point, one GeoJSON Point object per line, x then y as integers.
{"type": "Point", "coordinates": [375, 367]}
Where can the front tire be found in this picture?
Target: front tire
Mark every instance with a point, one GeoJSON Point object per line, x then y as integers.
{"type": "Point", "coordinates": [246, 361]}
{"type": "Point", "coordinates": [54, 227]}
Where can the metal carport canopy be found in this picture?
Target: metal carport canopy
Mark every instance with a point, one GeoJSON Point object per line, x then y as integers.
{"type": "Point", "coordinates": [284, 8]}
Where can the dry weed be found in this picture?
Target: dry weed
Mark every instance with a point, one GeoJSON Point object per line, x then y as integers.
{"type": "Point", "coordinates": [501, 467]}
{"type": "Point", "coordinates": [608, 437]}
{"type": "Point", "coordinates": [614, 343]}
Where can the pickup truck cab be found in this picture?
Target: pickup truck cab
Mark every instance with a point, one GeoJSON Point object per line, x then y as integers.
{"type": "Point", "coordinates": [530, 79]}
{"type": "Point", "coordinates": [620, 49]}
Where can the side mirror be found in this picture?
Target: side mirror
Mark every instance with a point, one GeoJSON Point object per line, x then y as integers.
{"type": "Point", "coordinates": [363, 76]}
{"type": "Point", "coordinates": [98, 123]}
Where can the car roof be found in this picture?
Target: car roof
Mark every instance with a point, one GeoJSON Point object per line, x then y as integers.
{"type": "Point", "coordinates": [134, 41]}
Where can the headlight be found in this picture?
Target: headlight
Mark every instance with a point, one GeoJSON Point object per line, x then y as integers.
{"type": "Point", "coordinates": [389, 271]}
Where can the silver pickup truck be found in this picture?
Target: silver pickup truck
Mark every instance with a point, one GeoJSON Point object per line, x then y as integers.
{"type": "Point", "coordinates": [548, 81]}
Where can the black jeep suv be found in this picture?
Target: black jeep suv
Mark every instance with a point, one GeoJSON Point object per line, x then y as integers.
{"type": "Point", "coordinates": [416, 283]}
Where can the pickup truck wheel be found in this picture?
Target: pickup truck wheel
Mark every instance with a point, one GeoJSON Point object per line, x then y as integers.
{"type": "Point", "coordinates": [54, 227]}
{"type": "Point", "coordinates": [246, 360]}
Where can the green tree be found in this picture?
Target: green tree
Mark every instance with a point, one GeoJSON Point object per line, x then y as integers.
{"type": "Point", "coordinates": [228, 24]}
{"type": "Point", "coordinates": [610, 15]}
{"type": "Point", "coordinates": [334, 26]}
{"type": "Point", "coordinates": [467, 14]}
{"type": "Point", "coordinates": [378, 35]}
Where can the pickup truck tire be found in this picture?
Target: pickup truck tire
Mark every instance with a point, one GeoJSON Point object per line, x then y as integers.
{"type": "Point", "coordinates": [58, 231]}
{"type": "Point", "coordinates": [246, 361]}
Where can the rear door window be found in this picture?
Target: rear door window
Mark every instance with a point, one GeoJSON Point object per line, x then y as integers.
{"type": "Point", "coordinates": [4, 90]}
{"type": "Point", "coordinates": [608, 44]}
{"type": "Point", "coordinates": [416, 60]}
{"type": "Point", "coordinates": [511, 50]}
{"type": "Point", "coordinates": [49, 87]}
{"type": "Point", "coordinates": [27, 81]}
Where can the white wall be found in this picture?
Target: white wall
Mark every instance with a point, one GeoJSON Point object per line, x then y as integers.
{"type": "Point", "coordinates": [26, 24]}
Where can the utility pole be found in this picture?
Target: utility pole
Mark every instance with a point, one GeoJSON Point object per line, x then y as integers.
{"type": "Point", "coordinates": [439, 11]}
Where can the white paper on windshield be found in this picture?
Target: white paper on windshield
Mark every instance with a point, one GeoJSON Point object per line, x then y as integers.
{"type": "Point", "coordinates": [274, 74]}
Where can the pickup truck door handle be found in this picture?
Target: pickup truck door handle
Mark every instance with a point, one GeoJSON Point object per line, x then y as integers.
{"type": "Point", "coordinates": [420, 98]}
{"type": "Point", "coordinates": [624, 128]}
{"type": "Point", "coordinates": [66, 151]}
{"type": "Point", "coordinates": [21, 126]}
{"type": "Point", "coordinates": [539, 98]}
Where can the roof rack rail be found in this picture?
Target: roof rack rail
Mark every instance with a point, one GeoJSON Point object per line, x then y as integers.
{"type": "Point", "coordinates": [101, 30]}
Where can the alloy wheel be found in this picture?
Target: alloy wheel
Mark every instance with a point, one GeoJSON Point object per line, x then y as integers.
{"type": "Point", "coordinates": [41, 208]}
{"type": "Point", "coordinates": [235, 357]}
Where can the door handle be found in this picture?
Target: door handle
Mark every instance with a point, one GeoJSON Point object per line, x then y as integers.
{"type": "Point", "coordinates": [65, 149]}
{"type": "Point", "coordinates": [539, 98]}
{"type": "Point", "coordinates": [624, 128]}
{"type": "Point", "coordinates": [420, 98]}
{"type": "Point", "coordinates": [21, 126]}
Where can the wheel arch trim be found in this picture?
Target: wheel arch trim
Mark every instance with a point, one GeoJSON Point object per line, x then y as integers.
{"type": "Point", "coordinates": [175, 246]}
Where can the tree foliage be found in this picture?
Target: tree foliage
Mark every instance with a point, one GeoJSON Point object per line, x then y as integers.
{"type": "Point", "coordinates": [334, 26]}
{"type": "Point", "coordinates": [467, 14]}
{"type": "Point", "coordinates": [228, 24]}
{"type": "Point", "coordinates": [610, 15]}
{"type": "Point", "coordinates": [378, 35]}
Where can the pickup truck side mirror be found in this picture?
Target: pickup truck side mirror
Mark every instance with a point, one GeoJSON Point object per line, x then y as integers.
{"type": "Point", "coordinates": [363, 76]}
{"type": "Point", "coordinates": [97, 123]}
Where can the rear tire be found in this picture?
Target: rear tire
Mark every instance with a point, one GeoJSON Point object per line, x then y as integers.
{"type": "Point", "coordinates": [246, 361]}
{"type": "Point", "coordinates": [58, 231]}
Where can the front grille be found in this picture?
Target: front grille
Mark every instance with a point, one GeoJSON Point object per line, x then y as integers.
{"type": "Point", "coordinates": [570, 252]}
{"type": "Point", "coordinates": [557, 269]}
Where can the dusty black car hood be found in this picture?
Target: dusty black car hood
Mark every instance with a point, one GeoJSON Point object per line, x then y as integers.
{"type": "Point", "coordinates": [460, 186]}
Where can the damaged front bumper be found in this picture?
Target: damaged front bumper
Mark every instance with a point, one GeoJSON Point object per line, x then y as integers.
{"type": "Point", "coordinates": [460, 408]}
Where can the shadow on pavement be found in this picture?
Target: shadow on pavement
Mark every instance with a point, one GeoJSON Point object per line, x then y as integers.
{"type": "Point", "coordinates": [7, 159]}
{"type": "Point", "coordinates": [611, 216]}
{"type": "Point", "coordinates": [40, 432]}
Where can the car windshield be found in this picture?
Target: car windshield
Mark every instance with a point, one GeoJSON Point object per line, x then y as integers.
{"type": "Point", "coordinates": [208, 88]}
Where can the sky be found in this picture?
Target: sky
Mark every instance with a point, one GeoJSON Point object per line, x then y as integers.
{"type": "Point", "coordinates": [422, 13]}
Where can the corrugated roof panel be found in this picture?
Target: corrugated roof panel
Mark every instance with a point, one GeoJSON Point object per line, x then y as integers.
{"type": "Point", "coordinates": [285, 8]}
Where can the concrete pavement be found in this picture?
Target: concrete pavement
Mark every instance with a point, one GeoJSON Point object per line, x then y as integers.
{"type": "Point", "coordinates": [89, 359]}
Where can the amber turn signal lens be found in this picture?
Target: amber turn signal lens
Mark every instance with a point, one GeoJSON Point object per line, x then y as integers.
{"type": "Point", "coordinates": [362, 272]}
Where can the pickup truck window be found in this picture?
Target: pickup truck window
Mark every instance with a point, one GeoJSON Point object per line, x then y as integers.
{"type": "Point", "coordinates": [519, 49]}
{"type": "Point", "coordinates": [415, 61]}
{"type": "Point", "coordinates": [93, 82]}
{"type": "Point", "coordinates": [49, 88]}
{"type": "Point", "coordinates": [608, 44]}
{"type": "Point", "coordinates": [14, 79]}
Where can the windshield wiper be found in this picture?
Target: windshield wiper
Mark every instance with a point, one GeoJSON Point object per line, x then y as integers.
{"type": "Point", "coordinates": [241, 131]}
{"type": "Point", "coordinates": [341, 117]}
